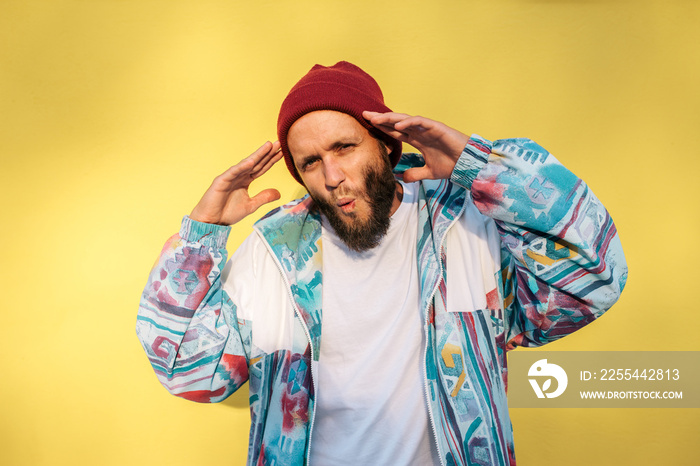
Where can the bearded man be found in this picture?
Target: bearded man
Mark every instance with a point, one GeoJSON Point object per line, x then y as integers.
{"type": "Point", "coordinates": [373, 316]}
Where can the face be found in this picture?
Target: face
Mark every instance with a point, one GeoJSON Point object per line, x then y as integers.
{"type": "Point", "coordinates": [348, 175]}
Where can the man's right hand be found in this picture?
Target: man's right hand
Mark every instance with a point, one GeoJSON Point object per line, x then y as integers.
{"type": "Point", "coordinates": [227, 200]}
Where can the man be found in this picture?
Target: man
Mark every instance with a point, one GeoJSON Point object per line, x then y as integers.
{"type": "Point", "coordinates": [372, 317]}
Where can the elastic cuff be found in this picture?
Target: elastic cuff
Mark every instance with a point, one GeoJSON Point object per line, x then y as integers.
{"type": "Point", "coordinates": [471, 160]}
{"type": "Point", "coordinates": [207, 234]}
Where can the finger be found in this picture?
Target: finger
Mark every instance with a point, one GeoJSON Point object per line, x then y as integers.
{"type": "Point", "coordinates": [391, 118]}
{"type": "Point", "coordinates": [276, 157]}
{"type": "Point", "coordinates": [261, 153]}
{"type": "Point", "coordinates": [398, 124]}
{"type": "Point", "coordinates": [390, 123]}
{"type": "Point", "coordinates": [247, 164]}
{"type": "Point", "coordinates": [414, 123]}
{"type": "Point", "coordinates": [264, 197]}
{"type": "Point", "coordinates": [417, 174]}
{"type": "Point", "coordinates": [392, 132]}
{"type": "Point", "coordinates": [235, 171]}
{"type": "Point", "coordinates": [265, 159]}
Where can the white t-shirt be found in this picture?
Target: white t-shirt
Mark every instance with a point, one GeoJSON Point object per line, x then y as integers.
{"type": "Point", "coordinates": [371, 408]}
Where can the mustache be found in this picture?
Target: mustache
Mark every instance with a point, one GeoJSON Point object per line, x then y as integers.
{"type": "Point", "coordinates": [353, 193]}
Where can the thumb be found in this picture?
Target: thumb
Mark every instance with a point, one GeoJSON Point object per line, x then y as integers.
{"type": "Point", "coordinates": [264, 197]}
{"type": "Point", "coordinates": [417, 174]}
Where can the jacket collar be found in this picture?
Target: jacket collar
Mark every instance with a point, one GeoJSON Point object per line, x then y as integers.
{"type": "Point", "coordinates": [440, 204]}
{"type": "Point", "coordinates": [293, 235]}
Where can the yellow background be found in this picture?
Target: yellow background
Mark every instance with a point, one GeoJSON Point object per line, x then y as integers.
{"type": "Point", "coordinates": [116, 115]}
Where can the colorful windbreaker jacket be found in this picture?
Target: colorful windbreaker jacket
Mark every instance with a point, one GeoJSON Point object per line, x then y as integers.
{"type": "Point", "coordinates": [561, 266]}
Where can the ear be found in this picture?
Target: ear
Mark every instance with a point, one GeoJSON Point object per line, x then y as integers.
{"type": "Point", "coordinates": [384, 148]}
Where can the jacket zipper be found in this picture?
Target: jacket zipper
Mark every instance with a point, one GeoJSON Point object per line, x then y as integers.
{"type": "Point", "coordinates": [308, 336]}
{"type": "Point", "coordinates": [425, 353]}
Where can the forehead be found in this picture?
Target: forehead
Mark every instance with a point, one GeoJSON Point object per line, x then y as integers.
{"type": "Point", "coordinates": [324, 128]}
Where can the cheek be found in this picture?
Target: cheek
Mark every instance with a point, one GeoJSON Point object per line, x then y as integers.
{"type": "Point", "coordinates": [312, 182]}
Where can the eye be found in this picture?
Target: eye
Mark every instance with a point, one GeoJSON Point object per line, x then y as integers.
{"type": "Point", "coordinates": [309, 163]}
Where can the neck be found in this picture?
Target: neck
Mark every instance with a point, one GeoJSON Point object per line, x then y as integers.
{"type": "Point", "coordinates": [398, 197]}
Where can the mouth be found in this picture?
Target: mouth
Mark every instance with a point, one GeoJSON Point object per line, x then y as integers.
{"type": "Point", "coordinates": [346, 204]}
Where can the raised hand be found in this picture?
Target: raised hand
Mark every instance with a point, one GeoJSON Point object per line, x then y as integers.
{"type": "Point", "coordinates": [439, 144]}
{"type": "Point", "coordinates": [227, 200]}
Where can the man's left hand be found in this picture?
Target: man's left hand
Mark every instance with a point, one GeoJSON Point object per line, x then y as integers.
{"type": "Point", "coordinates": [440, 145]}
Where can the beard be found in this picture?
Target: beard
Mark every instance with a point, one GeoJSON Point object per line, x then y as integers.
{"type": "Point", "coordinates": [379, 192]}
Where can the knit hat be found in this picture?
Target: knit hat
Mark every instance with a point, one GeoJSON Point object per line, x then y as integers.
{"type": "Point", "coordinates": [342, 87]}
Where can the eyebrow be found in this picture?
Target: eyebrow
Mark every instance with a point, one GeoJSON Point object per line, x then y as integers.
{"type": "Point", "coordinates": [345, 141]}
{"type": "Point", "coordinates": [333, 147]}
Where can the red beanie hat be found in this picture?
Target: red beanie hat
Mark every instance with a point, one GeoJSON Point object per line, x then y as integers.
{"type": "Point", "coordinates": [342, 87]}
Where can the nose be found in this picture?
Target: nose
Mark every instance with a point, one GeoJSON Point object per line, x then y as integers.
{"type": "Point", "coordinates": [333, 173]}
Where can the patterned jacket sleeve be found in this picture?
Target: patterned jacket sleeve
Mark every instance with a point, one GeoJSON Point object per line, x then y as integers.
{"type": "Point", "coordinates": [562, 261]}
{"type": "Point", "coordinates": [187, 324]}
